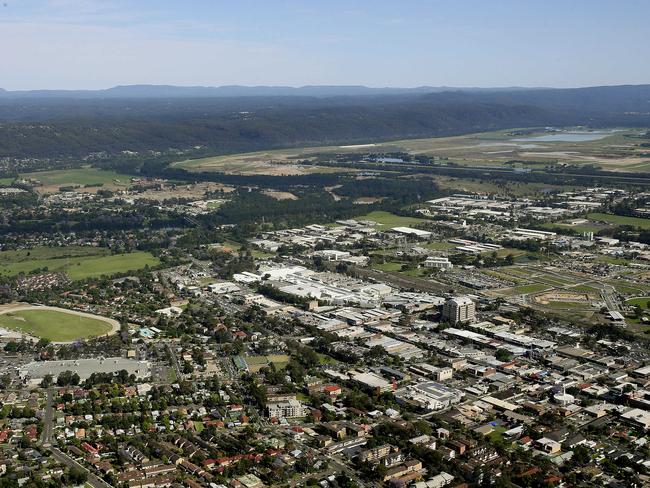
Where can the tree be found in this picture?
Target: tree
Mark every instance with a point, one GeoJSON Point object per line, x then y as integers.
{"type": "Point", "coordinates": [47, 381]}
{"type": "Point", "coordinates": [76, 477]}
{"type": "Point", "coordinates": [66, 378]}
{"type": "Point", "coordinates": [503, 355]}
{"type": "Point", "coordinates": [344, 481]}
{"type": "Point", "coordinates": [581, 455]}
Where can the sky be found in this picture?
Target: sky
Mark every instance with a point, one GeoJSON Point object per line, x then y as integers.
{"type": "Point", "coordinates": [94, 44]}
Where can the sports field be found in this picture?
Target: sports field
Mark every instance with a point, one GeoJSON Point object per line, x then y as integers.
{"type": "Point", "coordinates": [78, 262]}
{"type": "Point", "coordinates": [56, 325]}
{"type": "Point", "coordinates": [51, 181]}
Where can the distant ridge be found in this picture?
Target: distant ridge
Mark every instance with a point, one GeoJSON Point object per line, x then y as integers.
{"type": "Point", "coordinates": [239, 119]}
{"type": "Point", "coordinates": [172, 91]}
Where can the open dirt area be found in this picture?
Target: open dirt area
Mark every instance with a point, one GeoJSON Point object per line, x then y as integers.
{"type": "Point", "coordinates": [195, 191]}
{"type": "Point", "coordinates": [280, 195]}
{"type": "Point", "coordinates": [558, 296]}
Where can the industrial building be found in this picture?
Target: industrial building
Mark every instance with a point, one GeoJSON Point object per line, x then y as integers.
{"type": "Point", "coordinates": [429, 395]}
{"type": "Point", "coordinates": [37, 370]}
{"type": "Point", "coordinates": [437, 263]}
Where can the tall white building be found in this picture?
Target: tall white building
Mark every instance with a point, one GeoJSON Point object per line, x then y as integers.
{"type": "Point", "coordinates": [285, 409]}
{"type": "Point", "coordinates": [459, 309]}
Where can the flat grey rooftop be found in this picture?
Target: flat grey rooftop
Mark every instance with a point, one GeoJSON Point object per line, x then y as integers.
{"type": "Point", "coordinates": [85, 367]}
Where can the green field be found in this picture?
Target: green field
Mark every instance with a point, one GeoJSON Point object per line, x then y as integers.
{"type": "Point", "coordinates": [78, 262]}
{"type": "Point", "coordinates": [396, 267]}
{"type": "Point", "coordinates": [41, 252]}
{"type": "Point", "coordinates": [388, 266]}
{"type": "Point", "coordinates": [387, 219]}
{"type": "Point", "coordinates": [628, 288]}
{"type": "Point", "coordinates": [257, 254]}
{"type": "Point", "coordinates": [439, 246]}
{"type": "Point", "coordinates": [586, 289]}
{"type": "Point", "coordinates": [255, 363]}
{"type": "Point", "coordinates": [80, 176]}
{"type": "Point", "coordinates": [620, 220]}
{"type": "Point", "coordinates": [563, 227]}
{"type": "Point", "coordinates": [612, 260]}
{"type": "Point", "coordinates": [642, 302]}
{"type": "Point", "coordinates": [54, 325]}
{"type": "Point", "coordinates": [497, 434]}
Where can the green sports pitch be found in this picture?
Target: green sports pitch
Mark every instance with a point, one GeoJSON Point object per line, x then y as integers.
{"type": "Point", "coordinates": [54, 325]}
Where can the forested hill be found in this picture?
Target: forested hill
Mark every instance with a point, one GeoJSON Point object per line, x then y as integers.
{"type": "Point", "coordinates": [75, 127]}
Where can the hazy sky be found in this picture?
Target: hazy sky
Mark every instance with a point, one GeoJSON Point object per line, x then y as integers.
{"type": "Point", "coordinates": [101, 43]}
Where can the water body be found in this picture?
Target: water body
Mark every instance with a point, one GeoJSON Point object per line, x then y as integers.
{"type": "Point", "coordinates": [567, 137]}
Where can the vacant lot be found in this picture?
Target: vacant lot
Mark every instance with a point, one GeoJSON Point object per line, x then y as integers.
{"type": "Point", "coordinates": [78, 262]}
{"type": "Point", "coordinates": [524, 289]}
{"type": "Point", "coordinates": [277, 162]}
{"type": "Point", "coordinates": [194, 191]}
{"type": "Point", "coordinates": [56, 325]}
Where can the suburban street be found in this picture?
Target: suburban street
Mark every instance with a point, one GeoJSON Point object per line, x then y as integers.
{"type": "Point", "coordinates": [46, 435]}
{"type": "Point", "coordinates": [93, 480]}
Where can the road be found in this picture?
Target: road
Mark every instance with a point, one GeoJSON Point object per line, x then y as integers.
{"type": "Point", "coordinates": [175, 363]}
{"type": "Point", "coordinates": [46, 435]}
{"type": "Point", "coordinates": [63, 458]}
{"type": "Point", "coordinates": [336, 463]}
{"type": "Point", "coordinates": [608, 292]}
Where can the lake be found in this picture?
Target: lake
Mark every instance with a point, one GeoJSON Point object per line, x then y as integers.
{"type": "Point", "coordinates": [567, 137]}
